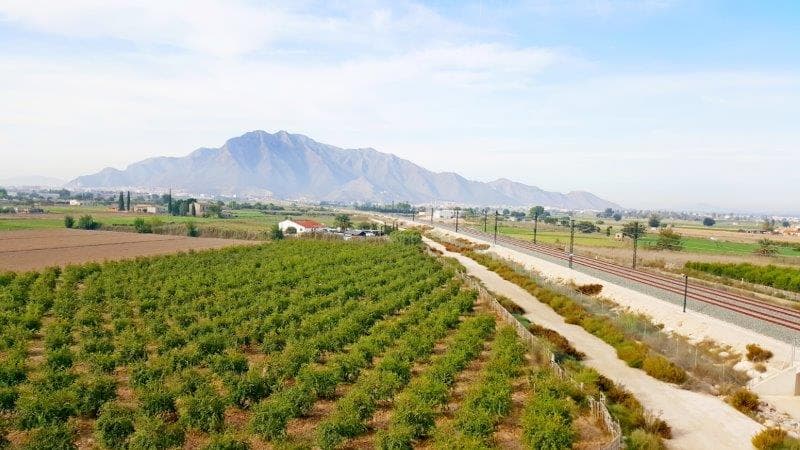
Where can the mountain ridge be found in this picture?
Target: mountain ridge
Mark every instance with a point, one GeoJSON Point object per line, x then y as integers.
{"type": "Point", "coordinates": [296, 167]}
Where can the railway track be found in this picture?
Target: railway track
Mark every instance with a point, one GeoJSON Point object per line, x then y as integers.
{"type": "Point", "coordinates": [747, 306]}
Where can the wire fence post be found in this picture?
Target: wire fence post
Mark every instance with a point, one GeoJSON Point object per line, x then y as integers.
{"type": "Point", "coordinates": [685, 290]}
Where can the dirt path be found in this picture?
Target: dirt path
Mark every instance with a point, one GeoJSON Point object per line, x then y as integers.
{"type": "Point", "coordinates": [697, 420]}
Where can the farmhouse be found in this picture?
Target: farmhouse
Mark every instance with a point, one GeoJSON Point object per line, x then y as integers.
{"type": "Point", "coordinates": [300, 226]}
{"type": "Point", "coordinates": [147, 209]}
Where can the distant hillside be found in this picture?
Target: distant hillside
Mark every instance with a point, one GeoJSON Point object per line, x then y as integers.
{"type": "Point", "coordinates": [293, 166]}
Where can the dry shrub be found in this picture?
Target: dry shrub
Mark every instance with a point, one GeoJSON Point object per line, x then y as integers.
{"type": "Point", "coordinates": [757, 354]}
{"type": "Point", "coordinates": [657, 426]}
{"type": "Point", "coordinates": [589, 289]}
{"type": "Point", "coordinates": [480, 247]}
{"type": "Point", "coordinates": [509, 305]}
{"type": "Point", "coordinates": [663, 369]}
{"type": "Point", "coordinates": [657, 263]}
{"type": "Point", "coordinates": [744, 400]}
{"type": "Point", "coordinates": [769, 439]}
{"type": "Point", "coordinates": [761, 367]}
{"type": "Point", "coordinates": [561, 344]}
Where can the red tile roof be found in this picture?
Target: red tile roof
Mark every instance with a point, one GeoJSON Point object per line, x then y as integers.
{"type": "Point", "coordinates": [308, 223]}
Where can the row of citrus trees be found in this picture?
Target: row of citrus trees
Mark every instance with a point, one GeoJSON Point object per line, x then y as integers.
{"type": "Point", "coordinates": [149, 350]}
{"type": "Point", "coordinates": [169, 343]}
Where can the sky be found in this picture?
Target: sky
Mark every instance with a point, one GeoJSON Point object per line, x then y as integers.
{"type": "Point", "coordinates": [651, 103]}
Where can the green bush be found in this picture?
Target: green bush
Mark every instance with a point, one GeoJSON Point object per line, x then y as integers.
{"type": "Point", "coordinates": [642, 440]}
{"type": "Point", "coordinates": [226, 442]}
{"type": "Point", "coordinates": [662, 369]}
{"type": "Point", "coordinates": [205, 410]}
{"type": "Point", "coordinates": [156, 399]}
{"type": "Point", "coordinates": [8, 398]}
{"type": "Point", "coordinates": [406, 237]}
{"type": "Point", "coordinates": [69, 221]}
{"type": "Point", "coordinates": [87, 223]}
{"type": "Point", "coordinates": [36, 409]}
{"type": "Point", "coordinates": [114, 425]}
{"type": "Point", "coordinates": [92, 392]}
{"type": "Point", "coordinates": [51, 437]}
{"type": "Point", "coordinates": [12, 372]}
{"type": "Point", "coordinates": [59, 359]}
{"type": "Point", "coordinates": [152, 433]}
{"type": "Point", "coordinates": [546, 431]}
{"type": "Point", "coordinates": [141, 226]}
{"type": "Point", "coordinates": [396, 438]}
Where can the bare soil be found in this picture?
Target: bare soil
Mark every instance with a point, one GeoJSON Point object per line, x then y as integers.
{"type": "Point", "coordinates": [36, 249]}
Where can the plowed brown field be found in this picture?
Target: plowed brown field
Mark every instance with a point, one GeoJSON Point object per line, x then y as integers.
{"type": "Point", "coordinates": [35, 249]}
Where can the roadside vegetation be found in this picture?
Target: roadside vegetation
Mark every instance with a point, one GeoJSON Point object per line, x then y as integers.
{"type": "Point", "coordinates": [638, 342]}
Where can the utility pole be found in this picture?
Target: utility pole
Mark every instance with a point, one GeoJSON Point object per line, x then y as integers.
{"type": "Point", "coordinates": [571, 241]}
{"type": "Point", "coordinates": [685, 290]}
{"type": "Point", "coordinates": [635, 242]}
{"type": "Point", "coordinates": [535, 225]}
{"type": "Point", "coordinates": [485, 218]}
{"type": "Point", "coordinates": [456, 220]}
{"type": "Point", "coordinates": [495, 226]}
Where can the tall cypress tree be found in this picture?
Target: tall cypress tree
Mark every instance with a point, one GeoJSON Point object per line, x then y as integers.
{"type": "Point", "coordinates": [170, 203]}
{"type": "Point", "coordinates": [121, 202]}
{"type": "Point", "coordinates": [129, 200]}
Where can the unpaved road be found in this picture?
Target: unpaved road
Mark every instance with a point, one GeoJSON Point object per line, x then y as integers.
{"type": "Point", "coordinates": [698, 420]}
{"type": "Point", "coordinates": [37, 249]}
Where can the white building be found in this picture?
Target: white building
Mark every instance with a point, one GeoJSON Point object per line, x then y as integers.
{"type": "Point", "coordinates": [444, 214]}
{"type": "Point", "coordinates": [74, 202]}
{"type": "Point", "coordinates": [300, 226]}
{"type": "Point", "coordinates": [147, 209]}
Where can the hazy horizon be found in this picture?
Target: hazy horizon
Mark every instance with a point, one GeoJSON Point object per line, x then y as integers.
{"type": "Point", "coordinates": [653, 104]}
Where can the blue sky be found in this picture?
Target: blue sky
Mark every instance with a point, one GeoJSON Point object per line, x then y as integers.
{"type": "Point", "coordinates": [653, 103]}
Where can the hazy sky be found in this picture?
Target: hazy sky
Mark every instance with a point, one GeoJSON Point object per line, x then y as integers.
{"type": "Point", "coordinates": [651, 103]}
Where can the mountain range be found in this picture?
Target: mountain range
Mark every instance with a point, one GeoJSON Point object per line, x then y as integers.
{"type": "Point", "coordinates": [296, 167]}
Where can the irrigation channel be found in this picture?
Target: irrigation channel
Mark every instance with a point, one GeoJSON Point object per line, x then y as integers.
{"type": "Point", "coordinates": [784, 321]}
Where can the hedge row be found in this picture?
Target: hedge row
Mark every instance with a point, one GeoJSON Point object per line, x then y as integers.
{"type": "Point", "coordinates": [785, 278]}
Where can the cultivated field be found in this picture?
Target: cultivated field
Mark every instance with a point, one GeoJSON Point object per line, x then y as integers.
{"type": "Point", "coordinates": [36, 249]}
{"type": "Point", "coordinates": [293, 344]}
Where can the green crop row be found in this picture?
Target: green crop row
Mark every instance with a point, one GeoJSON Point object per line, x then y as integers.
{"type": "Point", "coordinates": [390, 375]}
{"type": "Point", "coordinates": [188, 332]}
{"type": "Point", "coordinates": [489, 399]}
{"type": "Point", "coordinates": [319, 381]}
{"type": "Point", "coordinates": [415, 407]}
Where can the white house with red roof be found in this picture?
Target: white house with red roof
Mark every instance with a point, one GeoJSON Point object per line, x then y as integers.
{"type": "Point", "coordinates": [300, 226]}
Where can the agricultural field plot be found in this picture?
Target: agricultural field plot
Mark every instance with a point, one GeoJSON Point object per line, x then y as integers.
{"type": "Point", "coordinates": [36, 249]}
{"type": "Point", "coordinates": [293, 344]}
